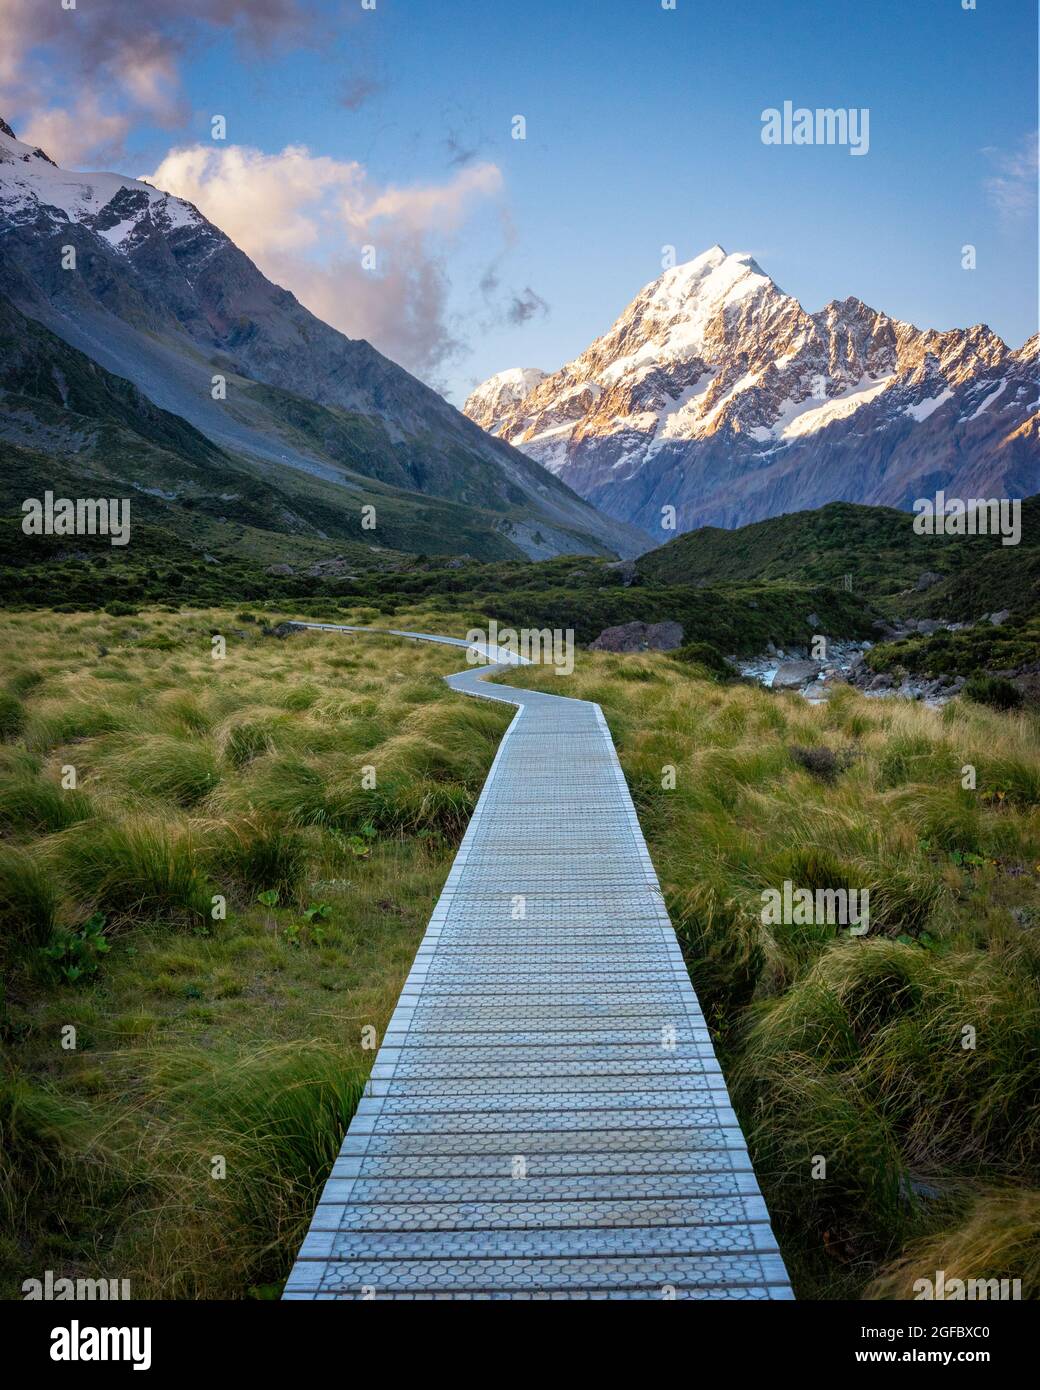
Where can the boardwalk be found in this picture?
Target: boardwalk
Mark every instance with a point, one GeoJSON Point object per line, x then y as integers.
{"type": "Point", "coordinates": [546, 1117]}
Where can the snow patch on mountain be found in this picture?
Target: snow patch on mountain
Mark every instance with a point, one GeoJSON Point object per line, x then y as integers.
{"type": "Point", "coordinates": [32, 185]}
{"type": "Point", "coordinates": [492, 398]}
{"type": "Point", "coordinates": [988, 401]}
{"type": "Point", "coordinates": [922, 409]}
{"type": "Point", "coordinates": [804, 417]}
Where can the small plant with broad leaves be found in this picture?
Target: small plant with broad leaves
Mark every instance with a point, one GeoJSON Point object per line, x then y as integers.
{"type": "Point", "coordinates": [924, 939]}
{"type": "Point", "coordinates": [965, 859]}
{"type": "Point", "coordinates": [360, 845]}
{"type": "Point", "coordinates": [77, 952]}
{"type": "Point", "coordinates": [317, 915]}
{"type": "Point", "coordinates": [996, 796]}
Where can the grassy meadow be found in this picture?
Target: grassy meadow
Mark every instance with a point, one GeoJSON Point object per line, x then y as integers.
{"type": "Point", "coordinates": [856, 1050]}
{"type": "Point", "coordinates": [199, 1037]}
{"type": "Point", "coordinates": [908, 1060]}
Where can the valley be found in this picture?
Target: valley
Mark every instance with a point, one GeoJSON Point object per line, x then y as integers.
{"type": "Point", "coordinates": [324, 981]}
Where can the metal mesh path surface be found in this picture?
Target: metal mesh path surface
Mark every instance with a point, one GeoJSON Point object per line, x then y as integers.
{"type": "Point", "coordinates": [546, 1117]}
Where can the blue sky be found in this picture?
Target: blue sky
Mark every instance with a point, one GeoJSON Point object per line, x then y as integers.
{"type": "Point", "coordinates": [643, 129]}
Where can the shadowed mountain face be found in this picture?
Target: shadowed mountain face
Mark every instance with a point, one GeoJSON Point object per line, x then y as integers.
{"type": "Point", "coordinates": [717, 394]}
{"type": "Point", "coordinates": [160, 297]}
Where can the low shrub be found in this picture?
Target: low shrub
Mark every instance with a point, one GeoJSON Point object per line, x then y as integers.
{"type": "Point", "coordinates": [994, 691]}
{"type": "Point", "coordinates": [706, 655]}
{"type": "Point", "coordinates": [823, 763]}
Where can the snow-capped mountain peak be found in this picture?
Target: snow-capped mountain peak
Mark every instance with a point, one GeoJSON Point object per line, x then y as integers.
{"type": "Point", "coordinates": [676, 315]}
{"type": "Point", "coordinates": [714, 356]}
{"type": "Point", "coordinates": [490, 400]}
{"type": "Point", "coordinates": [695, 288]}
{"type": "Point", "coordinates": [34, 189]}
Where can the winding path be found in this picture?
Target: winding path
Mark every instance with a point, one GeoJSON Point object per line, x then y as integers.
{"type": "Point", "coordinates": [546, 1117]}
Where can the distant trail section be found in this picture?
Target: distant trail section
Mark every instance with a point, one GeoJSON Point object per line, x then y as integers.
{"type": "Point", "coordinates": [546, 1117]}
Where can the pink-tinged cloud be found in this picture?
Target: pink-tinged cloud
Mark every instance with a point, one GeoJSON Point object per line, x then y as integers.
{"type": "Point", "coordinates": [55, 62]}
{"type": "Point", "coordinates": [308, 221]}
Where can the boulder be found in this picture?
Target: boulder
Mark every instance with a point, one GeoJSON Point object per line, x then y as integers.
{"type": "Point", "coordinates": [639, 637]}
{"type": "Point", "coordinates": [882, 681]}
{"type": "Point", "coordinates": [1029, 685]}
{"type": "Point", "coordinates": [626, 570]}
{"type": "Point", "coordinates": [792, 675]}
{"type": "Point", "coordinates": [281, 570]}
{"type": "Point", "coordinates": [926, 626]}
{"type": "Point", "coordinates": [1001, 617]}
{"type": "Point", "coordinates": [927, 579]}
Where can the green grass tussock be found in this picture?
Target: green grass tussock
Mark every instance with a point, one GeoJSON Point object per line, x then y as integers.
{"type": "Point", "coordinates": [137, 869]}
{"type": "Point", "coordinates": [33, 805]}
{"type": "Point", "coordinates": [258, 854]}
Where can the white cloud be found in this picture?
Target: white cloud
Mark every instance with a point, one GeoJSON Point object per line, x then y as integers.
{"type": "Point", "coordinates": [304, 219]}
{"type": "Point", "coordinates": [1012, 189]}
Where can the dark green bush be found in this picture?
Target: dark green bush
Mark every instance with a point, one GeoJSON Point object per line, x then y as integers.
{"type": "Point", "coordinates": [825, 764]}
{"type": "Point", "coordinates": [994, 691]}
{"type": "Point", "coordinates": [706, 655]}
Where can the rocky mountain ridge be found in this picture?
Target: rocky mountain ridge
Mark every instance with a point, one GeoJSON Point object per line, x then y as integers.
{"type": "Point", "coordinates": [716, 393]}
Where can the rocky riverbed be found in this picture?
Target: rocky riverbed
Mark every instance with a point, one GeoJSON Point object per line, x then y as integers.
{"type": "Point", "coordinates": [815, 676]}
{"type": "Point", "coordinates": [795, 669]}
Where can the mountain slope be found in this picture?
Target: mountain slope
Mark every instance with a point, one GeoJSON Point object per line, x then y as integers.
{"type": "Point", "coordinates": [69, 425]}
{"type": "Point", "coordinates": [162, 298]}
{"type": "Point", "coordinates": [956, 577]}
{"type": "Point", "coordinates": [716, 393]}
